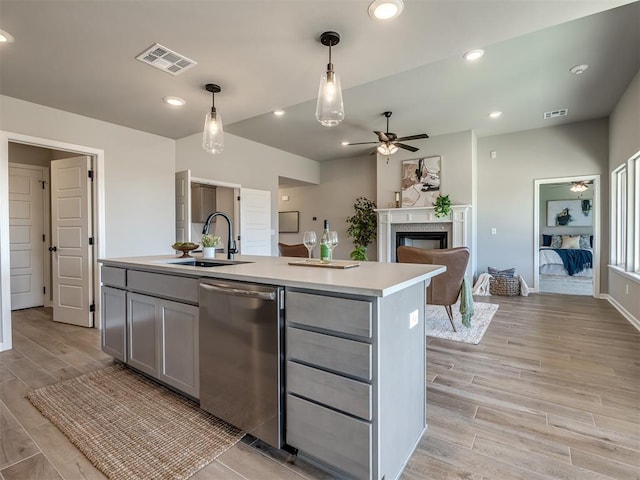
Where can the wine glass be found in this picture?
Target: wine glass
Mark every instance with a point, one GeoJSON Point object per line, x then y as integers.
{"type": "Point", "coordinates": [309, 239]}
{"type": "Point", "coordinates": [332, 242]}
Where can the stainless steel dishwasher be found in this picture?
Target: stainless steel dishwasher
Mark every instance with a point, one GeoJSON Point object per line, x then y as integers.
{"type": "Point", "coordinates": [240, 345]}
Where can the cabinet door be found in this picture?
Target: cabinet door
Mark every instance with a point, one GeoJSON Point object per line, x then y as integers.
{"type": "Point", "coordinates": [114, 317]}
{"type": "Point", "coordinates": [142, 341]}
{"type": "Point", "coordinates": [178, 326]}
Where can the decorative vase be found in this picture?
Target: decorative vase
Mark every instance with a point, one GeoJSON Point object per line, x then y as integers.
{"type": "Point", "coordinates": [208, 252]}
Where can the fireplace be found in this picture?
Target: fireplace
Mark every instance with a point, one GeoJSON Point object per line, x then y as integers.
{"type": "Point", "coordinates": [422, 239]}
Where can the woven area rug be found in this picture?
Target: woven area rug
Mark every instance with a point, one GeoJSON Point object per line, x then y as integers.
{"type": "Point", "coordinates": [438, 324]}
{"type": "Point", "coordinates": [131, 428]}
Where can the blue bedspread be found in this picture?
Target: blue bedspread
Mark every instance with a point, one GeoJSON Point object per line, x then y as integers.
{"type": "Point", "coordinates": [575, 260]}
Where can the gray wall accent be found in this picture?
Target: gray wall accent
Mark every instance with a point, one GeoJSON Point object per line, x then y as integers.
{"type": "Point", "coordinates": [506, 183]}
{"type": "Point", "coordinates": [624, 142]}
{"type": "Point", "coordinates": [341, 182]}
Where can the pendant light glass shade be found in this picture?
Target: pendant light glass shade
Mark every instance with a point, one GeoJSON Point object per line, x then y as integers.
{"type": "Point", "coordinates": [212, 136]}
{"type": "Point", "coordinates": [329, 109]}
{"type": "Point", "coordinates": [387, 149]}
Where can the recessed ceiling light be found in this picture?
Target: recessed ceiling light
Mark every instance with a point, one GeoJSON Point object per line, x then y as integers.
{"type": "Point", "coordinates": [279, 113]}
{"type": "Point", "coordinates": [345, 143]}
{"type": "Point", "coordinates": [472, 55]}
{"type": "Point", "coordinates": [578, 69]}
{"type": "Point", "coordinates": [5, 37]}
{"type": "Point", "coordinates": [385, 9]}
{"type": "Point", "coordinates": [174, 101]}
{"type": "Point", "coordinates": [495, 114]}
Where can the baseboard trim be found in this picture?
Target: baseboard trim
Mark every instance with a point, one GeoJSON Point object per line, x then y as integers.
{"type": "Point", "coordinates": [623, 311]}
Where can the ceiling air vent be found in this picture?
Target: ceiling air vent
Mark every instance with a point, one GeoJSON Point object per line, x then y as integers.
{"type": "Point", "coordinates": [166, 59]}
{"type": "Point", "coordinates": [556, 113]}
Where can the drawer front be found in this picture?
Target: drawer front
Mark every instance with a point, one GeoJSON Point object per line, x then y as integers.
{"type": "Point", "coordinates": [332, 313]}
{"type": "Point", "coordinates": [349, 396]}
{"type": "Point", "coordinates": [333, 353]}
{"type": "Point", "coordinates": [339, 440]}
{"type": "Point", "coordinates": [114, 276]}
{"type": "Point", "coordinates": [168, 286]}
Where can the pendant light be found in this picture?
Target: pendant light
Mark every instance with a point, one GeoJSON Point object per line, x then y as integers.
{"type": "Point", "coordinates": [212, 140]}
{"type": "Point", "coordinates": [329, 109]}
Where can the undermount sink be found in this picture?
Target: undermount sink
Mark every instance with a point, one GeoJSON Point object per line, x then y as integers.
{"type": "Point", "coordinates": [197, 262]}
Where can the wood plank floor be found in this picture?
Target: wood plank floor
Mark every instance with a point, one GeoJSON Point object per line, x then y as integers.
{"type": "Point", "coordinates": [551, 392]}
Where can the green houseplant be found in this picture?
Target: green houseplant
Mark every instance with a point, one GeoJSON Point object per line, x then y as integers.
{"type": "Point", "coordinates": [363, 227]}
{"type": "Point", "coordinates": [442, 206]}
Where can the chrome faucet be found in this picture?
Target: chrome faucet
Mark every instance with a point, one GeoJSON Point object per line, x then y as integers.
{"type": "Point", "coordinates": [231, 245]}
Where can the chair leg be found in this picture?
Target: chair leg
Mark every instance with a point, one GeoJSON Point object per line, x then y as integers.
{"type": "Point", "coordinates": [450, 313]}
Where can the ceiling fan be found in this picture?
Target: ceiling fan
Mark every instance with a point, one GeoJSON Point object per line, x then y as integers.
{"type": "Point", "coordinates": [388, 142]}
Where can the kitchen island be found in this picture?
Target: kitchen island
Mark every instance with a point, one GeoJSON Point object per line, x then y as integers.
{"type": "Point", "coordinates": [352, 349]}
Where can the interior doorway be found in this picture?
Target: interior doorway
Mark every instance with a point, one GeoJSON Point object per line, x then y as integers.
{"type": "Point", "coordinates": [94, 214]}
{"type": "Point", "coordinates": [567, 235]}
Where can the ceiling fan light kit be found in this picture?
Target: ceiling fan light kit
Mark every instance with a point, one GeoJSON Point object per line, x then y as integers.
{"type": "Point", "coordinates": [388, 142]}
{"type": "Point", "coordinates": [578, 187]}
{"type": "Point", "coordinates": [212, 136]}
{"type": "Point", "coordinates": [329, 109]}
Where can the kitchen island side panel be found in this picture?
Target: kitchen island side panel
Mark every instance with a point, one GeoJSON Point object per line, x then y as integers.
{"type": "Point", "coordinates": [402, 378]}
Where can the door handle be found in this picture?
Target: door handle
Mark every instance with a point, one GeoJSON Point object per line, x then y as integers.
{"type": "Point", "coordinates": [53, 249]}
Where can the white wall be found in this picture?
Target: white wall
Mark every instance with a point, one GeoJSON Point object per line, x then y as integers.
{"type": "Point", "coordinates": [456, 170]}
{"type": "Point", "coordinates": [624, 135]}
{"type": "Point", "coordinates": [506, 183]}
{"type": "Point", "coordinates": [341, 182]}
{"type": "Point", "coordinates": [250, 164]}
{"type": "Point", "coordinates": [139, 171]}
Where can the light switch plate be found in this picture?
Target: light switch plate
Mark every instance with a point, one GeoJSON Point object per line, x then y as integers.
{"type": "Point", "coordinates": [413, 319]}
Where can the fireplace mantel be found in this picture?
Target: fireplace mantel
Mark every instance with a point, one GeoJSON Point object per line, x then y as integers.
{"type": "Point", "coordinates": [458, 222]}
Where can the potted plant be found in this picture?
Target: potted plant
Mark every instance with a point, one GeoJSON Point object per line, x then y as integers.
{"type": "Point", "coordinates": [209, 244]}
{"type": "Point", "coordinates": [363, 227]}
{"type": "Point", "coordinates": [442, 206]}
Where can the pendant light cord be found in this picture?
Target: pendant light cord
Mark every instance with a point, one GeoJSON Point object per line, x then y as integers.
{"type": "Point", "coordinates": [213, 102]}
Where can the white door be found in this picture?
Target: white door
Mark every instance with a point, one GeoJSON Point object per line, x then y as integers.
{"type": "Point", "coordinates": [70, 231]}
{"type": "Point", "coordinates": [255, 222]}
{"type": "Point", "coordinates": [183, 206]}
{"type": "Point", "coordinates": [26, 230]}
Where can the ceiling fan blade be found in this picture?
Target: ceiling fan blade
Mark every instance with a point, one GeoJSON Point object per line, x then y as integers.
{"type": "Point", "coordinates": [406, 147]}
{"type": "Point", "coordinates": [413, 137]}
{"type": "Point", "coordinates": [382, 136]}
{"type": "Point", "coordinates": [373, 152]}
{"type": "Point", "coordinates": [360, 143]}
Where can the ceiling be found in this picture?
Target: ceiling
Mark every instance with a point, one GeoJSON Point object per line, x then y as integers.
{"type": "Point", "coordinates": [79, 56]}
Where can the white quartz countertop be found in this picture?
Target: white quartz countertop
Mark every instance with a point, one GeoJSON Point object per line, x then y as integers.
{"type": "Point", "coordinates": [369, 278]}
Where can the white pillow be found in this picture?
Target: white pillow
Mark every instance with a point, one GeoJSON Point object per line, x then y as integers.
{"type": "Point", "coordinates": [570, 242]}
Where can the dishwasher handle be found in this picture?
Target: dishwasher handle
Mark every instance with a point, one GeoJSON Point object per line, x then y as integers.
{"type": "Point", "coordinates": [240, 292]}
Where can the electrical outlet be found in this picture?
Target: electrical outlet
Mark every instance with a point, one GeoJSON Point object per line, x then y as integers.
{"type": "Point", "coordinates": [413, 319]}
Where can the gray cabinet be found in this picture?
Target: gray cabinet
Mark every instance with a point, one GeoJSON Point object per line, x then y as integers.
{"type": "Point", "coordinates": [163, 340]}
{"type": "Point", "coordinates": [114, 317]}
{"type": "Point", "coordinates": [113, 306]}
{"type": "Point", "coordinates": [329, 380]}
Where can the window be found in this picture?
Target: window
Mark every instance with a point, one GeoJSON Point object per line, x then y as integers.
{"type": "Point", "coordinates": [619, 216]}
{"type": "Point", "coordinates": [636, 219]}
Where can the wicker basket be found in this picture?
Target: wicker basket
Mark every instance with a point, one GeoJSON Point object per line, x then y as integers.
{"type": "Point", "coordinates": [506, 286]}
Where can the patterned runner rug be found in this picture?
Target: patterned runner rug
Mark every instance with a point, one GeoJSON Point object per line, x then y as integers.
{"type": "Point", "coordinates": [438, 324]}
{"type": "Point", "coordinates": [132, 428]}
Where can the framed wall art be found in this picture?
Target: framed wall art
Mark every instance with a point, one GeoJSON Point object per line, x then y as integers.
{"type": "Point", "coordinates": [420, 181]}
{"type": "Point", "coordinates": [569, 213]}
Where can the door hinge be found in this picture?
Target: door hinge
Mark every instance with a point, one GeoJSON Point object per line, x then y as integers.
{"type": "Point", "coordinates": [90, 240]}
{"type": "Point", "coordinates": [44, 290]}
{"type": "Point", "coordinates": [44, 238]}
{"type": "Point", "coordinates": [238, 197]}
{"type": "Point", "coordinates": [92, 307]}
{"type": "Point", "coordinates": [43, 182]}
{"type": "Point", "coordinates": [91, 174]}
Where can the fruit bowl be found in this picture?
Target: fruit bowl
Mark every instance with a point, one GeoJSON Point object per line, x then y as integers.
{"type": "Point", "coordinates": [185, 248]}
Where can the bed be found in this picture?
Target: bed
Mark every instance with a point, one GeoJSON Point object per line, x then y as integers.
{"type": "Point", "coordinates": [570, 255]}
